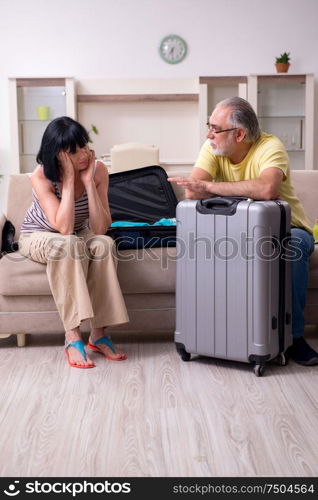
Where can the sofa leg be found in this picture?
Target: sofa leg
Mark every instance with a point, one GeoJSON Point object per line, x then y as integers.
{"type": "Point", "coordinates": [21, 339]}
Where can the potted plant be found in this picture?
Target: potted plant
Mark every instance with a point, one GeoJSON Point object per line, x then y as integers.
{"type": "Point", "coordinates": [92, 129]}
{"type": "Point", "coordinates": [282, 63]}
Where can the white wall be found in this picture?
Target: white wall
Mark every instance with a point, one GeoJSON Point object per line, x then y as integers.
{"type": "Point", "coordinates": [119, 38]}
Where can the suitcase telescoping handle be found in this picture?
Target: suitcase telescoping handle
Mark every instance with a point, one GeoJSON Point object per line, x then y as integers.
{"type": "Point", "coordinates": [219, 205]}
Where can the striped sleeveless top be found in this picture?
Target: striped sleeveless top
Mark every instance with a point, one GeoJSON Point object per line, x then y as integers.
{"type": "Point", "coordinates": [36, 220]}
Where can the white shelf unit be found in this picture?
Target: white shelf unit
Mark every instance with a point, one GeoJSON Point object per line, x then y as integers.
{"type": "Point", "coordinates": [170, 113]}
{"type": "Point", "coordinates": [26, 94]}
{"type": "Point", "coordinates": [214, 89]}
{"type": "Point", "coordinates": [284, 104]}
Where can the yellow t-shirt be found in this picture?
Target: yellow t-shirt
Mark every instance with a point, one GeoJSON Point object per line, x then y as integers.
{"type": "Point", "coordinates": [268, 151]}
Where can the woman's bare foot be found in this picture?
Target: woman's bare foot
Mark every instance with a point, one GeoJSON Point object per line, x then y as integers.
{"type": "Point", "coordinates": [75, 358]}
{"type": "Point", "coordinates": [96, 334]}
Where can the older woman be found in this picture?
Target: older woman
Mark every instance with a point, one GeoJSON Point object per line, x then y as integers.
{"type": "Point", "coordinates": [64, 228]}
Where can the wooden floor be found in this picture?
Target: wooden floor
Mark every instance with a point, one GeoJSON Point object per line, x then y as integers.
{"type": "Point", "coordinates": [153, 415]}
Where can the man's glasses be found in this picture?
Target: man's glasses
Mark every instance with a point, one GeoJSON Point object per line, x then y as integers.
{"type": "Point", "coordinates": [215, 130]}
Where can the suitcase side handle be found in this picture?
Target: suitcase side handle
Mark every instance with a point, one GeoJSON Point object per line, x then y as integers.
{"type": "Point", "coordinates": [219, 205]}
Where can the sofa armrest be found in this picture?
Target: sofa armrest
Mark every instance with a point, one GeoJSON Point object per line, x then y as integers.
{"type": "Point", "coordinates": [2, 222]}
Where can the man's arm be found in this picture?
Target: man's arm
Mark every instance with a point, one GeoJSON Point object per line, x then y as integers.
{"type": "Point", "coordinates": [200, 175]}
{"type": "Point", "coordinates": [265, 187]}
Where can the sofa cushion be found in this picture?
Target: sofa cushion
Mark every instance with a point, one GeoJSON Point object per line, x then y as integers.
{"type": "Point", "coordinates": [139, 271]}
{"type": "Point", "coordinates": [2, 223]}
{"type": "Point", "coordinates": [150, 270]}
{"type": "Point", "coordinates": [19, 200]}
{"type": "Point", "coordinates": [21, 276]}
{"type": "Point", "coordinates": [305, 183]}
{"type": "Point", "coordinates": [313, 269]}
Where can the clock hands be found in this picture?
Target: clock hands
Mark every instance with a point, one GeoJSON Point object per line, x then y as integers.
{"type": "Point", "coordinates": [173, 52]}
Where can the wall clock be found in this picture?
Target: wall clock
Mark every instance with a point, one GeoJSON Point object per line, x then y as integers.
{"type": "Point", "coordinates": [173, 49]}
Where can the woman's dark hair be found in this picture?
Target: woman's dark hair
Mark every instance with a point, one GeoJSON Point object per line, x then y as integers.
{"type": "Point", "coordinates": [62, 134]}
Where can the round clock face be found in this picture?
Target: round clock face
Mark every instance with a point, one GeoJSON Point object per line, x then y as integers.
{"type": "Point", "coordinates": [173, 49]}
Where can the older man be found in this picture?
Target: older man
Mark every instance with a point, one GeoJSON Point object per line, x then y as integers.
{"type": "Point", "coordinates": [243, 161]}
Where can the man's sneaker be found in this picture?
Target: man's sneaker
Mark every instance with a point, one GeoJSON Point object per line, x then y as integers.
{"type": "Point", "coordinates": [302, 353]}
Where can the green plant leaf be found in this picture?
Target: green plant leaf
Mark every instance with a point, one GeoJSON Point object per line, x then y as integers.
{"type": "Point", "coordinates": [283, 58]}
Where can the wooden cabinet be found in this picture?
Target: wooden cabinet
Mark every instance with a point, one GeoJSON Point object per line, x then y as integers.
{"type": "Point", "coordinates": [34, 102]}
{"type": "Point", "coordinates": [284, 104]}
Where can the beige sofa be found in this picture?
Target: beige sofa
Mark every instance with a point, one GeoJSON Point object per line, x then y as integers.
{"type": "Point", "coordinates": [147, 277]}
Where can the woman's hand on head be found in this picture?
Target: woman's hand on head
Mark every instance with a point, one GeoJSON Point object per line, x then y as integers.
{"type": "Point", "coordinates": [67, 168]}
{"type": "Point", "coordinates": [87, 174]}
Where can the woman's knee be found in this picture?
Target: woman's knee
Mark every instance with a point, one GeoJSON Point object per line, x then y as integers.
{"type": "Point", "coordinates": [66, 245]}
{"type": "Point", "coordinates": [101, 246]}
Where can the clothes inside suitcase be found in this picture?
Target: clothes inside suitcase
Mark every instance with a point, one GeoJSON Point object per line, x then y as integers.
{"type": "Point", "coordinates": [142, 195]}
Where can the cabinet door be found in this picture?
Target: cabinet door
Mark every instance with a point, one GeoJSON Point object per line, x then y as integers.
{"type": "Point", "coordinates": [34, 103]}
{"type": "Point", "coordinates": [284, 105]}
{"type": "Point", "coordinates": [215, 89]}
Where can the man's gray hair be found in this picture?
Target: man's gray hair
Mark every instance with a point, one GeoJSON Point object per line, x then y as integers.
{"type": "Point", "coordinates": [242, 116]}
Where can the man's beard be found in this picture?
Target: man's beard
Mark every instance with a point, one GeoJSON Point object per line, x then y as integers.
{"type": "Point", "coordinates": [221, 151]}
{"type": "Point", "coordinates": [218, 152]}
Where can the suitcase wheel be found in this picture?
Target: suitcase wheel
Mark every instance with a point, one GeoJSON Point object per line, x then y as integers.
{"type": "Point", "coordinates": [184, 355]}
{"type": "Point", "coordinates": [259, 370]}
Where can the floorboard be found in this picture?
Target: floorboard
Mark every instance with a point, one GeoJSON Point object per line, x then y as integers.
{"type": "Point", "coordinates": [153, 415]}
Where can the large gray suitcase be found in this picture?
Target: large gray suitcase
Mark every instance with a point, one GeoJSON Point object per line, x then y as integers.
{"type": "Point", "coordinates": [233, 285]}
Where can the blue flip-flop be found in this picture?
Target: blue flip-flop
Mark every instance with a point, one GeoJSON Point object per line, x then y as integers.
{"type": "Point", "coordinates": [79, 345]}
{"type": "Point", "coordinates": [108, 342]}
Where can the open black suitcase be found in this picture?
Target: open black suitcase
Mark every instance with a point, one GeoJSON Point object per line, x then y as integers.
{"type": "Point", "coordinates": [142, 195]}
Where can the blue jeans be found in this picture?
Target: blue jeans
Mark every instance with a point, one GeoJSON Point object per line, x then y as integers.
{"type": "Point", "coordinates": [303, 245]}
